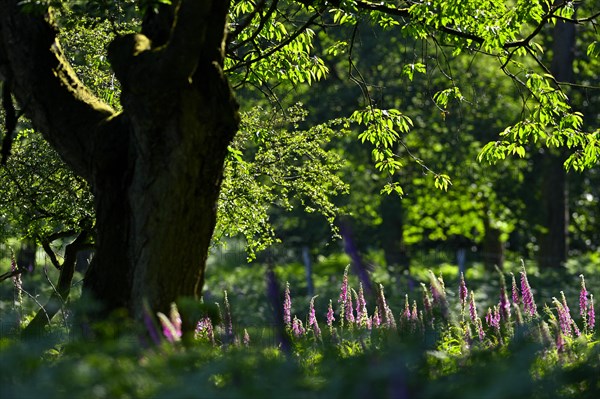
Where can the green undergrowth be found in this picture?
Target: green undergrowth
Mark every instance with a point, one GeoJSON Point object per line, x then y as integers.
{"type": "Point", "coordinates": [370, 345]}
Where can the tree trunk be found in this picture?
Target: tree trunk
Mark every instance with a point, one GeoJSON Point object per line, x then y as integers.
{"type": "Point", "coordinates": [392, 235]}
{"type": "Point", "coordinates": [155, 168]}
{"type": "Point", "coordinates": [553, 246]}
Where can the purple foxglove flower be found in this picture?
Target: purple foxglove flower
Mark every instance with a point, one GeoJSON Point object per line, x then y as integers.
{"type": "Point", "coordinates": [376, 322]}
{"type": "Point", "coordinates": [577, 331]}
{"type": "Point", "coordinates": [472, 308]}
{"type": "Point", "coordinates": [349, 311]}
{"type": "Point", "coordinates": [515, 291]}
{"type": "Point", "coordinates": [330, 316]}
{"type": "Point", "coordinates": [591, 316]}
{"type": "Point", "coordinates": [583, 302]}
{"type": "Point", "coordinates": [436, 288]}
{"type": "Point", "coordinates": [480, 331]}
{"type": "Point", "coordinates": [467, 334]}
{"type": "Point", "coordinates": [390, 319]}
{"type": "Point", "coordinates": [528, 302]}
{"type": "Point", "coordinates": [169, 330]}
{"type": "Point", "coordinates": [358, 306]}
{"type": "Point", "coordinates": [414, 316]}
{"type": "Point", "coordinates": [387, 316]}
{"type": "Point", "coordinates": [489, 318]}
{"type": "Point", "coordinates": [564, 303]}
{"type": "Point", "coordinates": [406, 313]}
{"type": "Point", "coordinates": [564, 318]}
{"type": "Point", "coordinates": [463, 292]}
{"type": "Point", "coordinates": [362, 316]}
{"type": "Point", "coordinates": [227, 319]}
{"type": "Point", "coordinates": [438, 293]}
{"type": "Point", "coordinates": [568, 311]}
{"type": "Point", "coordinates": [312, 318]}
{"type": "Point", "coordinates": [171, 326]}
{"type": "Point", "coordinates": [175, 318]}
{"type": "Point", "coordinates": [426, 299]}
{"type": "Point", "coordinates": [344, 296]}
{"type": "Point", "coordinates": [297, 327]}
{"type": "Point", "coordinates": [496, 318]}
{"type": "Point", "coordinates": [504, 304]}
{"type": "Point", "coordinates": [287, 306]}
{"type": "Point", "coordinates": [246, 339]}
{"type": "Point", "coordinates": [204, 328]}
{"type": "Point", "coordinates": [440, 280]}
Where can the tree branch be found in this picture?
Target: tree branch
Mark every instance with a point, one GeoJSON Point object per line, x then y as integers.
{"type": "Point", "coordinates": [278, 47]}
{"type": "Point", "coordinates": [244, 24]}
{"type": "Point", "coordinates": [46, 86]}
{"type": "Point", "coordinates": [63, 288]}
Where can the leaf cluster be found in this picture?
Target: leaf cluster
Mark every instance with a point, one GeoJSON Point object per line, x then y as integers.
{"type": "Point", "coordinates": [274, 163]}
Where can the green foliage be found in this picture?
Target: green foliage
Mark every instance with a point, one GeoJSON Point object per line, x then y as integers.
{"type": "Point", "coordinates": [272, 48]}
{"type": "Point", "coordinates": [383, 129]}
{"type": "Point", "coordinates": [272, 163]}
{"type": "Point", "coordinates": [40, 196]}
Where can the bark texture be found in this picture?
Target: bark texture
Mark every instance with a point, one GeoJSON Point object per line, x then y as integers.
{"type": "Point", "coordinates": [155, 168]}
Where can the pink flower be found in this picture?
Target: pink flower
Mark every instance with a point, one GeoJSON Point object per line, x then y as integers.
{"type": "Point", "coordinates": [312, 318]}
{"type": "Point", "coordinates": [345, 300]}
{"type": "Point", "coordinates": [376, 319]}
{"type": "Point", "coordinates": [515, 291]}
{"type": "Point", "coordinates": [330, 316]}
{"type": "Point", "coordinates": [246, 339]}
{"type": "Point", "coordinates": [467, 334]}
{"type": "Point", "coordinates": [463, 292]}
{"type": "Point", "coordinates": [573, 324]}
{"type": "Point", "coordinates": [437, 288]}
{"type": "Point", "coordinates": [227, 320]}
{"type": "Point", "coordinates": [362, 316]}
{"type": "Point", "coordinates": [386, 312]}
{"type": "Point", "coordinates": [297, 327]}
{"type": "Point", "coordinates": [287, 305]}
{"type": "Point", "coordinates": [564, 316]}
{"type": "Point", "coordinates": [583, 302]}
{"type": "Point", "coordinates": [204, 328]}
{"type": "Point", "coordinates": [528, 301]}
{"type": "Point", "coordinates": [480, 331]}
{"type": "Point", "coordinates": [591, 319]}
{"type": "Point", "coordinates": [406, 313]}
{"type": "Point", "coordinates": [472, 308]}
{"type": "Point", "coordinates": [504, 304]}
{"type": "Point", "coordinates": [349, 311]}
{"type": "Point", "coordinates": [493, 318]}
{"type": "Point", "coordinates": [171, 326]}
{"type": "Point", "coordinates": [426, 299]}
{"type": "Point", "coordinates": [414, 314]}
